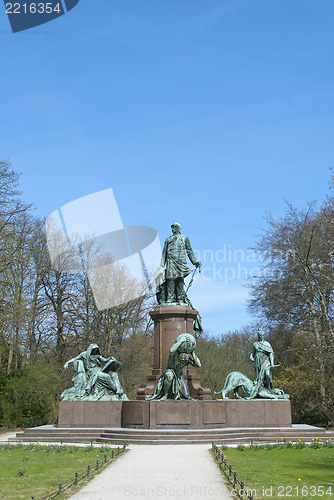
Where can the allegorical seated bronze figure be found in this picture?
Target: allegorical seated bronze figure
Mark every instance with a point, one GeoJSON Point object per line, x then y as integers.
{"type": "Point", "coordinates": [171, 383]}
{"type": "Point", "coordinates": [93, 381]}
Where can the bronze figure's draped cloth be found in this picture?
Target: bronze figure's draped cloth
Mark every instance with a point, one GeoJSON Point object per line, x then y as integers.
{"type": "Point", "coordinates": [174, 256]}
{"type": "Point", "coordinates": [174, 267]}
{"type": "Point", "coordinates": [172, 383]}
{"type": "Point", "coordinates": [92, 381]}
{"type": "Point", "coordinates": [262, 356]}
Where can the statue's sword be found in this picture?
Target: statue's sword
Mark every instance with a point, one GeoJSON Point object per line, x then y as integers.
{"type": "Point", "coordinates": [192, 278]}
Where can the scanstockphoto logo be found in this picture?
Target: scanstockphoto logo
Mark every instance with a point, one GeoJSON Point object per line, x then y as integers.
{"type": "Point", "coordinates": [26, 14]}
{"type": "Point", "coordinates": [88, 235]}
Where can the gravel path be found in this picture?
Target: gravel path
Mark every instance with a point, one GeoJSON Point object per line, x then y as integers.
{"type": "Point", "coordinates": [150, 472]}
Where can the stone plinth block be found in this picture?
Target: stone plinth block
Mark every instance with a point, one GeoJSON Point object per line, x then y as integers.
{"type": "Point", "coordinates": [258, 413]}
{"type": "Point", "coordinates": [90, 414]}
{"type": "Point", "coordinates": [206, 414]}
{"type": "Point", "coordinates": [173, 414]}
{"type": "Point", "coordinates": [169, 322]}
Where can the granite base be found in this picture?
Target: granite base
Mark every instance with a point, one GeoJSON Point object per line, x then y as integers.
{"type": "Point", "coordinates": [90, 414]}
{"type": "Point", "coordinates": [175, 414]}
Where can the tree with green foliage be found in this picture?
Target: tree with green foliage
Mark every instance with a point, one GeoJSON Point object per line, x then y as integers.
{"type": "Point", "coordinates": [29, 397]}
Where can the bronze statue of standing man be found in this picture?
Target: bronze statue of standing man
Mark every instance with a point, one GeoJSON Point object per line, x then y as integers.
{"type": "Point", "coordinates": [174, 259]}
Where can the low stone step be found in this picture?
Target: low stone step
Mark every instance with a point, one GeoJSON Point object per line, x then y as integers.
{"type": "Point", "coordinates": [215, 438]}
{"type": "Point", "coordinates": [68, 432]}
{"type": "Point", "coordinates": [51, 433]}
{"type": "Point", "coordinates": [284, 434]}
{"type": "Point", "coordinates": [34, 430]}
{"type": "Point", "coordinates": [208, 437]}
{"type": "Point", "coordinates": [54, 440]}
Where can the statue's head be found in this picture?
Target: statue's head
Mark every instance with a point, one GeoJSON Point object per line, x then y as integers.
{"type": "Point", "coordinates": [183, 357]}
{"type": "Point", "coordinates": [187, 342]}
{"type": "Point", "coordinates": [93, 350]}
{"type": "Point", "coordinates": [260, 334]}
{"type": "Point", "coordinates": [176, 228]}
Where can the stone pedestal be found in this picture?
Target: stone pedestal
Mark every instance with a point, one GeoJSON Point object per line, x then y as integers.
{"type": "Point", "coordinates": [206, 414]}
{"type": "Point", "coordinates": [233, 413]}
{"type": "Point", "coordinates": [169, 322]}
{"type": "Point", "coordinates": [90, 414]}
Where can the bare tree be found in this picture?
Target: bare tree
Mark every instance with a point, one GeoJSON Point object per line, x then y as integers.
{"type": "Point", "coordinates": [11, 208]}
{"type": "Point", "coordinates": [294, 296]}
{"type": "Point", "coordinates": [14, 231]}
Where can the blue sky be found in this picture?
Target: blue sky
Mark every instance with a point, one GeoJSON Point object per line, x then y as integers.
{"type": "Point", "coordinates": [210, 112]}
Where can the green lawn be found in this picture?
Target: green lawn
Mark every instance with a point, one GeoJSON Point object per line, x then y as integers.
{"type": "Point", "coordinates": [290, 473]}
{"type": "Point", "coordinates": [27, 470]}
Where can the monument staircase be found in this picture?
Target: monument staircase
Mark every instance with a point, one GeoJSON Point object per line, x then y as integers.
{"type": "Point", "coordinates": [120, 436]}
